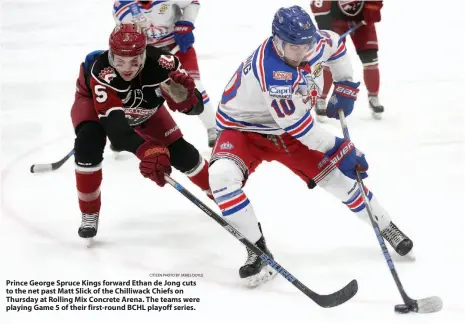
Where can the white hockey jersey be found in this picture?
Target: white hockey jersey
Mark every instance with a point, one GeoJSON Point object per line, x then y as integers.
{"type": "Point", "coordinates": [267, 96]}
{"type": "Point", "coordinates": [157, 18]}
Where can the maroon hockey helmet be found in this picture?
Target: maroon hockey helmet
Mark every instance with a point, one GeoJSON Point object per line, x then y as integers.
{"type": "Point", "coordinates": [127, 39]}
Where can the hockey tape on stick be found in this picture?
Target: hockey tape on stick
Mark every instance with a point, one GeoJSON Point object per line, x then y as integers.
{"type": "Point", "coordinates": [46, 167]}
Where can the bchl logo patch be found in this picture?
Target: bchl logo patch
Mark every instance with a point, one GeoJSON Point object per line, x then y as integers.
{"type": "Point", "coordinates": [227, 146]}
{"type": "Point", "coordinates": [166, 62]}
{"type": "Point", "coordinates": [281, 75]}
{"type": "Point", "coordinates": [317, 70]}
{"type": "Point", "coordinates": [163, 9]}
{"type": "Point", "coordinates": [107, 74]}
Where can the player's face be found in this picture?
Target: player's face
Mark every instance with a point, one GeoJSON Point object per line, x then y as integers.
{"type": "Point", "coordinates": [127, 66]}
{"type": "Point", "coordinates": [294, 54]}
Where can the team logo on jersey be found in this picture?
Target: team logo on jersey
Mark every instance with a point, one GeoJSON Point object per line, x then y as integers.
{"type": "Point", "coordinates": [128, 97]}
{"type": "Point", "coordinates": [166, 62]}
{"type": "Point", "coordinates": [163, 9]}
{"type": "Point", "coordinates": [137, 97]}
{"type": "Point", "coordinates": [312, 95]}
{"type": "Point", "coordinates": [107, 74]}
{"type": "Point", "coordinates": [350, 7]}
{"type": "Point", "coordinates": [281, 75]}
{"type": "Point", "coordinates": [280, 92]}
{"type": "Point", "coordinates": [226, 146]}
{"type": "Point", "coordinates": [154, 33]}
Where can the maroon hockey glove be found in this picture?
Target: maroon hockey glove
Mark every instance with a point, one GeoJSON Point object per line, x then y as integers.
{"type": "Point", "coordinates": [372, 11]}
{"type": "Point", "coordinates": [179, 92]}
{"type": "Point", "coordinates": [154, 162]}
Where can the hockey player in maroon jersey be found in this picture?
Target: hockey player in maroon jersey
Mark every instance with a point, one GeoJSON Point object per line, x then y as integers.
{"type": "Point", "coordinates": [339, 16]}
{"type": "Point", "coordinates": [120, 95]}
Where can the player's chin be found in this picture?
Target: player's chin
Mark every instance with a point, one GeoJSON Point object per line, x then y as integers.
{"type": "Point", "coordinates": [127, 76]}
{"type": "Point", "coordinates": [293, 63]}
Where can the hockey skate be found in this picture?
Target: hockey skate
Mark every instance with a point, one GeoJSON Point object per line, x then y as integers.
{"type": "Point", "coordinates": [320, 110]}
{"type": "Point", "coordinates": [212, 135]}
{"type": "Point", "coordinates": [376, 108]}
{"type": "Point", "coordinates": [255, 271]}
{"type": "Point", "coordinates": [400, 242]}
{"type": "Point", "coordinates": [89, 227]}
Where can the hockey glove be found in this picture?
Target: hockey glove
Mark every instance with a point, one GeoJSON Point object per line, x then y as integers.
{"type": "Point", "coordinates": [154, 162]}
{"type": "Point", "coordinates": [372, 11]}
{"type": "Point", "coordinates": [179, 92]}
{"type": "Point", "coordinates": [183, 35]}
{"type": "Point", "coordinates": [347, 158]}
{"type": "Point", "coordinates": [343, 97]}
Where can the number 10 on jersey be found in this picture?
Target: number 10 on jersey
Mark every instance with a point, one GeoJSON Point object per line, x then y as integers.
{"type": "Point", "coordinates": [283, 107]}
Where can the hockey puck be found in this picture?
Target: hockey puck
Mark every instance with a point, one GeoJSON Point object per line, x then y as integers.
{"type": "Point", "coordinates": [402, 309]}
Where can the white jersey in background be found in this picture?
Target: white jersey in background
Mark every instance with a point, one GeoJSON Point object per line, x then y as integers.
{"type": "Point", "coordinates": [157, 18]}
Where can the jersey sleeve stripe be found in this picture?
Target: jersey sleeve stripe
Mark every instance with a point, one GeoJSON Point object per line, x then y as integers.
{"type": "Point", "coordinates": [258, 66]}
{"type": "Point", "coordinates": [226, 120]}
{"type": "Point", "coordinates": [339, 53]}
{"type": "Point", "coordinates": [303, 129]}
{"type": "Point", "coordinates": [123, 11]}
{"type": "Point", "coordinates": [298, 123]}
{"type": "Point", "coordinates": [318, 56]}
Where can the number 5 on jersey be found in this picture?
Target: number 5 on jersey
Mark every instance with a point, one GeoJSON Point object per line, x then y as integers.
{"type": "Point", "coordinates": [100, 93]}
{"type": "Point", "coordinates": [283, 107]}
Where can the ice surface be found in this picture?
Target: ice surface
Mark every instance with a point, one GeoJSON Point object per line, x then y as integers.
{"type": "Point", "coordinates": [416, 156]}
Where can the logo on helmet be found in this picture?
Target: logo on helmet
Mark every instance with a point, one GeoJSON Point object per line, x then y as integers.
{"type": "Point", "coordinates": [305, 26]}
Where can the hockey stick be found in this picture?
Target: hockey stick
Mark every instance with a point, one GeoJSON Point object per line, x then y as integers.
{"type": "Point", "coordinates": [425, 305]}
{"type": "Point", "coordinates": [352, 29]}
{"type": "Point", "coordinates": [337, 298]}
{"type": "Point", "coordinates": [46, 167]}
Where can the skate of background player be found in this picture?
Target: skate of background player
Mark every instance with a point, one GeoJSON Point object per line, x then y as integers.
{"type": "Point", "coordinates": [310, 234]}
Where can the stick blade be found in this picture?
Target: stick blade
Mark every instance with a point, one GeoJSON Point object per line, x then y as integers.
{"type": "Point", "coordinates": [429, 305]}
{"type": "Point", "coordinates": [339, 297]}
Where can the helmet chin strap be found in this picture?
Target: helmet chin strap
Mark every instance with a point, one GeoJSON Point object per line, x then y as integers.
{"type": "Point", "coordinates": [278, 45]}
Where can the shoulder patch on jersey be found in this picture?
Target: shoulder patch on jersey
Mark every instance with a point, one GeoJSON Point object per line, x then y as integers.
{"type": "Point", "coordinates": [282, 75]}
{"type": "Point", "coordinates": [163, 9]}
{"type": "Point", "coordinates": [167, 62]}
{"type": "Point", "coordinates": [280, 92]}
{"type": "Point", "coordinates": [107, 74]}
{"type": "Point", "coordinates": [317, 69]}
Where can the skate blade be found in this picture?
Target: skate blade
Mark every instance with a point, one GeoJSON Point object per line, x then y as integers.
{"type": "Point", "coordinates": [89, 242]}
{"type": "Point", "coordinates": [377, 116]}
{"type": "Point", "coordinates": [410, 256]}
{"type": "Point", "coordinates": [265, 275]}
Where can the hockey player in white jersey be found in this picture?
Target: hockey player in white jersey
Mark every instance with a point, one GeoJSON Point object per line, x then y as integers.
{"type": "Point", "coordinates": [264, 115]}
{"type": "Point", "coordinates": [167, 24]}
